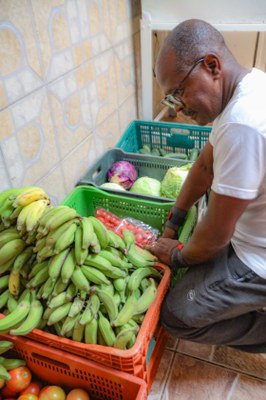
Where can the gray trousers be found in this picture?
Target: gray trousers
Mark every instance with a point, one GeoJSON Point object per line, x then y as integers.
{"type": "Point", "coordinates": [219, 302]}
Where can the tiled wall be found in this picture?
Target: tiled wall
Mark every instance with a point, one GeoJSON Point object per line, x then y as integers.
{"type": "Point", "coordinates": [69, 86]}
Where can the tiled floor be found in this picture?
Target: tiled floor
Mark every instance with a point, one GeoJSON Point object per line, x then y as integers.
{"type": "Point", "coordinates": [192, 371]}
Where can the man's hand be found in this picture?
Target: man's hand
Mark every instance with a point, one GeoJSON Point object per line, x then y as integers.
{"type": "Point", "coordinates": [163, 249]}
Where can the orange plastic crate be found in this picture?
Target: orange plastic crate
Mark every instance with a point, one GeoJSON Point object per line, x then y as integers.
{"type": "Point", "coordinates": [58, 367]}
{"type": "Point", "coordinates": [134, 360]}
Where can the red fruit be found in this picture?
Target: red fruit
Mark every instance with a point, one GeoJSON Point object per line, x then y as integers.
{"type": "Point", "coordinates": [20, 379]}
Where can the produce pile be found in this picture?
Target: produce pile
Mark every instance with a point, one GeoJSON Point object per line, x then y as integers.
{"type": "Point", "coordinates": [123, 175]}
{"type": "Point", "coordinates": [69, 274]}
{"type": "Point", "coordinates": [155, 151]}
{"type": "Point", "coordinates": [17, 381]}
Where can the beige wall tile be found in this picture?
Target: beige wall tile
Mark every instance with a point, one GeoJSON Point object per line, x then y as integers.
{"type": "Point", "coordinates": [6, 124]}
{"type": "Point", "coordinates": [53, 184]}
{"type": "Point", "coordinates": [11, 52]}
{"type": "Point", "coordinates": [3, 99]}
{"type": "Point", "coordinates": [127, 112]}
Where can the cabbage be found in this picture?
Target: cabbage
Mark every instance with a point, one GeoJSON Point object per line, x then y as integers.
{"type": "Point", "coordinates": [148, 186]}
{"type": "Point", "coordinates": [122, 172]}
{"type": "Point", "coordinates": [110, 185]}
{"type": "Point", "coordinates": [173, 181]}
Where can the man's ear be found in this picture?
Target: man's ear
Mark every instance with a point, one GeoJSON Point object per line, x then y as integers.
{"type": "Point", "coordinates": [212, 63]}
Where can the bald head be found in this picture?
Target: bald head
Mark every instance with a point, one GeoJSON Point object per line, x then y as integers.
{"type": "Point", "coordinates": [191, 40]}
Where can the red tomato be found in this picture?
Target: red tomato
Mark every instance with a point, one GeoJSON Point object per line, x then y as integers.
{"type": "Point", "coordinates": [34, 388]}
{"type": "Point", "coordinates": [28, 396]}
{"type": "Point", "coordinates": [78, 394]}
{"type": "Point", "coordinates": [8, 393]}
{"type": "Point", "coordinates": [20, 379]}
{"type": "Point", "coordinates": [52, 393]}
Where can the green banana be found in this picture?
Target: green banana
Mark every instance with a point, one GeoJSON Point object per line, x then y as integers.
{"type": "Point", "coordinates": [11, 303]}
{"type": "Point", "coordinates": [128, 237]}
{"type": "Point", "coordinates": [59, 218]}
{"type": "Point", "coordinates": [76, 307]}
{"type": "Point", "coordinates": [4, 374]}
{"type": "Point", "coordinates": [116, 241]}
{"type": "Point", "coordinates": [80, 253]}
{"type": "Point", "coordinates": [56, 235]}
{"type": "Point", "coordinates": [78, 331]}
{"type": "Point", "coordinates": [22, 258]}
{"type": "Point", "coordinates": [106, 330]}
{"type": "Point", "coordinates": [7, 235]}
{"type": "Point", "coordinates": [119, 284]}
{"type": "Point", "coordinates": [100, 230]}
{"type": "Point", "coordinates": [71, 291]}
{"type": "Point", "coordinates": [147, 298]}
{"type": "Point", "coordinates": [87, 232]}
{"type": "Point", "coordinates": [38, 279]}
{"type": "Point", "coordinates": [5, 345]}
{"type": "Point", "coordinates": [109, 303]}
{"type": "Point", "coordinates": [94, 275]}
{"type": "Point", "coordinates": [16, 316]}
{"type": "Point", "coordinates": [95, 246]}
{"type": "Point", "coordinates": [91, 331]}
{"type": "Point", "coordinates": [79, 279]}
{"type": "Point", "coordinates": [48, 287]}
{"type": "Point", "coordinates": [115, 260]}
{"type": "Point", "coordinates": [123, 338]}
{"type": "Point", "coordinates": [94, 304]}
{"type": "Point", "coordinates": [11, 249]}
{"type": "Point", "coordinates": [4, 282]}
{"type": "Point", "coordinates": [137, 259]}
{"type": "Point", "coordinates": [86, 315]}
{"type": "Point", "coordinates": [147, 255]}
{"type": "Point", "coordinates": [101, 263]}
{"type": "Point", "coordinates": [68, 325]}
{"type": "Point", "coordinates": [58, 314]}
{"type": "Point", "coordinates": [45, 253]}
{"type": "Point", "coordinates": [12, 363]}
{"type": "Point", "coordinates": [66, 240]}
{"type": "Point", "coordinates": [68, 266]}
{"type": "Point", "coordinates": [139, 274]}
{"type": "Point", "coordinates": [32, 320]}
{"type": "Point", "coordinates": [58, 300]}
{"type": "Point", "coordinates": [59, 287]}
{"type": "Point", "coordinates": [4, 267]}
{"type": "Point", "coordinates": [37, 267]}
{"type": "Point", "coordinates": [56, 263]}
{"type": "Point", "coordinates": [126, 312]}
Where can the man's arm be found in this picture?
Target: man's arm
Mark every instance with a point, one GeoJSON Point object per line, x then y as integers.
{"type": "Point", "coordinates": [197, 183]}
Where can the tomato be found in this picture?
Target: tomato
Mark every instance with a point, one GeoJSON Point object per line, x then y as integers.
{"type": "Point", "coordinates": [52, 393]}
{"type": "Point", "coordinates": [34, 388]}
{"type": "Point", "coordinates": [28, 396]}
{"type": "Point", "coordinates": [78, 394]}
{"type": "Point", "coordinates": [20, 379]}
{"type": "Point", "coordinates": [8, 393]}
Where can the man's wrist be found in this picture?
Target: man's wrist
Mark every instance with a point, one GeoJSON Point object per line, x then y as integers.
{"type": "Point", "coordinates": [176, 218]}
{"type": "Point", "coordinates": [177, 260]}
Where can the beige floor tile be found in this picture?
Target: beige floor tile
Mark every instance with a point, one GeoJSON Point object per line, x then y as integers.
{"type": "Point", "coordinates": [252, 364]}
{"type": "Point", "coordinates": [249, 389]}
{"type": "Point", "coordinates": [161, 375]}
{"type": "Point", "coordinates": [202, 351]}
{"type": "Point", "coordinates": [194, 379]}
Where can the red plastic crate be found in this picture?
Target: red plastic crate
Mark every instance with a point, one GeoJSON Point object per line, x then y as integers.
{"type": "Point", "coordinates": [61, 368]}
{"type": "Point", "coordinates": [133, 360]}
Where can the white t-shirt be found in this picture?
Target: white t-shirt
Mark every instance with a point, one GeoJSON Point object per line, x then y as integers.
{"type": "Point", "coordinates": [238, 138]}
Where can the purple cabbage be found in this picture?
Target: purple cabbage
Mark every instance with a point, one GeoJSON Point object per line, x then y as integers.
{"type": "Point", "coordinates": [122, 172]}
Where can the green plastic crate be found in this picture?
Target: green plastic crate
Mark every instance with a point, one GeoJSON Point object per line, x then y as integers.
{"type": "Point", "coordinates": [172, 137]}
{"type": "Point", "coordinates": [146, 165]}
{"type": "Point", "coordinates": [86, 199]}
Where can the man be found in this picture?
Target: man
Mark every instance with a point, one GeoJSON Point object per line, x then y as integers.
{"type": "Point", "coordinates": [221, 297]}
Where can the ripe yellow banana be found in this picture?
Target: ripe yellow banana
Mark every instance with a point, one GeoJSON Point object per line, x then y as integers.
{"type": "Point", "coordinates": [28, 196]}
{"type": "Point", "coordinates": [14, 283]}
{"type": "Point", "coordinates": [35, 213]}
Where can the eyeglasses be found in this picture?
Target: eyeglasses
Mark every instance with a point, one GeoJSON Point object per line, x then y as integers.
{"type": "Point", "coordinates": [171, 100]}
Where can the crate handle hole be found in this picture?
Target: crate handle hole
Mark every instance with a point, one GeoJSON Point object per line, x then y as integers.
{"type": "Point", "coordinates": [50, 361]}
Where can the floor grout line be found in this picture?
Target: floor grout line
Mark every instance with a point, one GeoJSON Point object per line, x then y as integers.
{"type": "Point", "coordinates": [227, 367]}
{"type": "Point", "coordinates": [167, 376]}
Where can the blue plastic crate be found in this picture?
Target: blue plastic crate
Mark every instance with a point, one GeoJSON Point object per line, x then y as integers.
{"type": "Point", "coordinates": [172, 137]}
